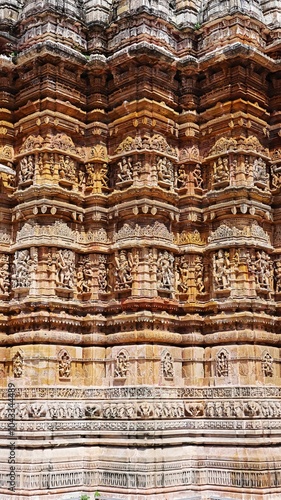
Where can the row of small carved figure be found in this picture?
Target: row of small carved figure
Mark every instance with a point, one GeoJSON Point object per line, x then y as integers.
{"type": "Point", "coordinates": [122, 364]}
{"type": "Point", "coordinates": [171, 273]}
{"type": "Point", "coordinates": [163, 171]}
{"type": "Point", "coordinates": [117, 274]}
{"type": "Point", "coordinates": [101, 176]}
{"type": "Point", "coordinates": [147, 409]}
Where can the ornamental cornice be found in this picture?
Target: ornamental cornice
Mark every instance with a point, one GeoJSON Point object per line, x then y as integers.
{"type": "Point", "coordinates": [143, 392]}
{"type": "Point", "coordinates": [250, 144]}
{"type": "Point", "coordinates": [250, 234]}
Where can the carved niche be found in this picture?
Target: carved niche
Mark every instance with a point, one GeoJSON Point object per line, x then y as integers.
{"type": "Point", "coordinates": [167, 365]}
{"type": "Point", "coordinates": [267, 364]}
{"type": "Point", "coordinates": [4, 275]}
{"type": "Point", "coordinates": [18, 365]}
{"type": "Point", "coordinates": [64, 365]}
{"type": "Point", "coordinates": [222, 364]}
{"type": "Point", "coordinates": [121, 365]}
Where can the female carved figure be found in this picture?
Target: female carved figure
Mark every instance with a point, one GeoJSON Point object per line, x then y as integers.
{"type": "Point", "coordinates": [221, 269]}
{"type": "Point", "coordinates": [123, 270]}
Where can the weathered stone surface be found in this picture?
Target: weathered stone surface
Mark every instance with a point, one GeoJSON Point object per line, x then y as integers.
{"type": "Point", "coordinates": [140, 249]}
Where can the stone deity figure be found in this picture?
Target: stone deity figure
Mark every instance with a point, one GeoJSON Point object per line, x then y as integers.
{"type": "Point", "coordinates": [125, 171]}
{"type": "Point", "coordinates": [259, 171]}
{"type": "Point", "coordinates": [197, 177]}
{"type": "Point", "coordinates": [165, 270]}
{"type": "Point", "coordinates": [183, 274]}
{"type": "Point", "coordinates": [221, 270]}
{"type": "Point", "coordinates": [27, 168]}
{"type": "Point", "coordinates": [65, 269]}
{"type": "Point", "coordinates": [278, 276]}
{"type": "Point", "coordinates": [165, 170]}
{"type": "Point", "coordinates": [4, 277]}
{"type": "Point", "coordinates": [168, 366]}
{"type": "Point", "coordinates": [122, 365]}
{"type": "Point", "coordinates": [182, 177]}
{"type": "Point", "coordinates": [124, 264]}
{"type": "Point", "coordinates": [198, 274]}
{"type": "Point", "coordinates": [64, 365]}
{"type": "Point", "coordinates": [221, 170]}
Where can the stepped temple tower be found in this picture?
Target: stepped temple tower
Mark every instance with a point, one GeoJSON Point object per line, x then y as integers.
{"type": "Point", "coordinates": [140, 249]}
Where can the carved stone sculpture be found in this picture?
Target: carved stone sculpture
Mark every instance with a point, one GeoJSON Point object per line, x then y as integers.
{"type": "Point", "coordinates": [259, 171]}
{"type": "Point", "coordinates": [221, 270]}
{"type": "Point", "coordinates": [199, 274]}
{"type": "Point", "coordinates": [4, 275]}
{"type": "Point", "coordinates": [197, 177]}
{"type": "Point", "coordinates": [23, 267]}
{"type": "Point", "coordinates": [27, 168]}
{"type": "Point", "coordinates": [121, 365]}
{"type": "Point", "coordinates": [165, 270]}
{"type": "Point", "coordinates": [125, 170]}
{"type": "Point", "coordinates": [222, 364]}
{"type": "Point", "coordinates": [67, 168]}
{"type": "Point", "coordinates": [17, 365]}
{"type": "Point", "coordinates": [123, 272]}
{"type": "Point", "coordinates": [262, 268]}
{"type": "Point", "coordinates": [65, 269]}
{"type": "Point", "coordinates": [267, 365]}
{"type": "Point", "coordinates": [182, 177]}
{"type": "Point", "coordinates": [183, 275]}
{"type": "Point", "coordinates": [64, 365]}
{"type": "Point", "coordinates": [221, 170]}
{"type": "Point", "coordinates": [84, 276]}
{"type": "Point", "coordinates": [168, 366]}
{"type": "Point", "coordinates": [164, 169]}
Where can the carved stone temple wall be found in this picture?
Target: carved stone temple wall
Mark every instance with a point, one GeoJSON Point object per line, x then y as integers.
{"type": "Point", "coordinates": [140, 249]}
